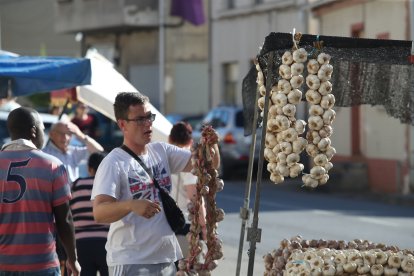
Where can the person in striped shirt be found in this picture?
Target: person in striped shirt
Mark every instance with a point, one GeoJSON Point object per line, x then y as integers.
{"type": "Point", "coordinates": [90, 236]}
{"type": "Point", "coordinates": [34, 202]}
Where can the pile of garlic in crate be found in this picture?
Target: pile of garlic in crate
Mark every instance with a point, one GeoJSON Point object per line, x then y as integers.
{"type": "Point", "coordinates": [298, 256]}
{"type": "Point", "coordinates": [283, 142]}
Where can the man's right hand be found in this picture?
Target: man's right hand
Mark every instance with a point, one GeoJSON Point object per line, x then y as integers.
{"type": "Point", "coordinates": [145, 207]}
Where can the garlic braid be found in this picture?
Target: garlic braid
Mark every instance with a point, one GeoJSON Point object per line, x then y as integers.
{"type": "Point", "coordinates": [283, 142]}
{"type": "Point", "coordinates": [321, 116]}
{"type": "Point", "coordinates": [208, 184]}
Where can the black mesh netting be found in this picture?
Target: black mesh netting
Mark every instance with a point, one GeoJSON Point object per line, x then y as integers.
{"type": "Point", "coordinates": [366, 71]}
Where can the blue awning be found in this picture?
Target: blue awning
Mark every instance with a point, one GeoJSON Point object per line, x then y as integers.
{"type": "Point", "coordinates": [27, 75]}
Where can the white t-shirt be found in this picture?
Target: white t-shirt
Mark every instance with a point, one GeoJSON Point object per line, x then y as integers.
{"type": "Point", "coordinates": [179, 193]}
{"type": "Point", "coordinates": [135, 239]}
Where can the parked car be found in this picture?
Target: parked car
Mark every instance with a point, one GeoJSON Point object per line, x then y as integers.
{"type": "Point", "coordinates": [234, 147]}
{"type": "Point", "coordinates": [48, 120]}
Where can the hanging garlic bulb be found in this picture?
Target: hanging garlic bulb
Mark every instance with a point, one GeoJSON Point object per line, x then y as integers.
{"type": "Point", "coordinates": [287, 58]}
{"type": "Point", "coordinates": [299, 145]}
{"type": "Point", "coordinates": [289, 110]}
{"type": "Point", "coordinates": [316, 110]}
{"type": "Point", "coordinates": [313, 82]}
{"type": "Point", "coordinates": [323, 58]}
{"type": "Point", "coordinates": [325, 72]}
{"type": "Point", "coordinates": [274, 111]}
{"type": "Point", "coordinates": [283, 86]}
{"type": "Point", "coordinates": [297, 69]}
{"type": "Point", "coordinates": [328, 101]}
{"type": "Point", "coordinates": [300, 55]}
{"type": "Point", "coordinates": [294, 96]}
{"type": "Point", "coordinates": [283, 122]}
{"type": "Point", "coordinates": [276, 178]}
{"type": "Point", "coordinates": [262, 90]}
{"type": "Point", "coordinates": [325, 131]}
{"type": "Point", "coordinates": [313, 97]}
{"type": "Point", "coordinates": [296, 81]}
{"type": "Point", "coordinates": [290, 135]}
{"type": "Point", "coordinates": [284, 71]}
{"type": "Point", "coordinates": [270, 140]}
{"type": "Point", "coordinates": [315, 122]}
{"type": "Point", "coordinates": [279, 99]}
{"type": "Point", "coordinates": [312, 66]}
{"type": "Point", "coordinates": [299, 126]}
{"type": "Point", "coordinates": [325, 88]}
{"type": "Point", "coordinates": [320, 159]}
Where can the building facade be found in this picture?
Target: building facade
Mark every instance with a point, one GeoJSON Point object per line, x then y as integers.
{"type": "Point", "coordinates": [367, 135]}
{"type": "Point", "coordinates": [27, 28]}
{"type": "Point", "coordinates": [127, 32]}
{"type": "Point", "coordinates": [238, 29]}
{"type": "Point", "coordinates": [145, 42]}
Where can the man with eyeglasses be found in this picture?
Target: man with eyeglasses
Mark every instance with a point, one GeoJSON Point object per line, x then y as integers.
{"type": "Point", "coordinates": [140, 240]}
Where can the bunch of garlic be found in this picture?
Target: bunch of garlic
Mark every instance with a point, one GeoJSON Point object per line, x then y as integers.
{"type": "Point", "coordinates": [208, 184]}
{"type": "Point", "coordinates": [332, 262]}
{"type": "Point", "coordinates": [321, 116]}
{"type": "Point", "coordinates": [321, 257]}
{"type": "Point", "coordinates": [283, 143]}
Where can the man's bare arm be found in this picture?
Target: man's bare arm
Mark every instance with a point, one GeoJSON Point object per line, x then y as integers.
{"type": "Point", "coordinates": [107, 209]}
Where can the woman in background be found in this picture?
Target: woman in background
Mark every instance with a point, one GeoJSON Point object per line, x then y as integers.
{"type": "Point", "coordinates": [184, 185]}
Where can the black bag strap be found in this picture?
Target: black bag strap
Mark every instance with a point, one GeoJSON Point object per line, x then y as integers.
{"type": "Point", "coordinates": [136, 157]}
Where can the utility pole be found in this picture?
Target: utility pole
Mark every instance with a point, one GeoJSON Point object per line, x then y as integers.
{"type": "Point", "coordinates": [161, 53]}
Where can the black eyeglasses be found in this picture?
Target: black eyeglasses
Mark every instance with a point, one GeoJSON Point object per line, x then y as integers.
{"type": "Point", "coordinates": [142, 120]}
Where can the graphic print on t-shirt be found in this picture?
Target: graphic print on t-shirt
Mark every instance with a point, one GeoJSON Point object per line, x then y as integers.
{"type": "Point", "coordinates": [160, 173]}
{"type": "Point", "coordinates": [140, 184]}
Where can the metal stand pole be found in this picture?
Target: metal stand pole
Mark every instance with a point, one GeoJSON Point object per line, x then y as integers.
{"type": "Point", "coordinates": [254, 233]}
{"type": "Point", "coordinates": [244, 211]}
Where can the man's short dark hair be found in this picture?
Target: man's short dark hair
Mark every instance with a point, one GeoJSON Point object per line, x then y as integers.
{"type": "Point", "coordinates": [21, 121]}
{"type": "Point", "coordinates": [126, 99]}
{"type": "Point", "coordinates": [95, 159]}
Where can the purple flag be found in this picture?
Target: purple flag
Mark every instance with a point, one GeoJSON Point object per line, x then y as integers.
{"type": "Point", "coordinates": [190, 10]}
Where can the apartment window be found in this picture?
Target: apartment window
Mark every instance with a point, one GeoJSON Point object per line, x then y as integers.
{"type": "Point", "coordinates": [357, 30]}
{"type": "Point", "coordinates": [231, 75]}
{"type": "Point", "coordinates": [258, 2]}
{"type": "Point", "coordinates": [383, 35]}
{"type": "Point", "coordinates": [230, 4]}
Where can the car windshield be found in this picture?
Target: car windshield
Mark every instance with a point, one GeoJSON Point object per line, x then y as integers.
{"type": "Point", "coordinates": [239, 119]}
{"type": "Point", "coordinates": [216, 118]}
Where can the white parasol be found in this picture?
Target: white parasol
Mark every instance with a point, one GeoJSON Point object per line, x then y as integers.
{"type": "Point", "coordinates": [106, 83]}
